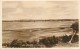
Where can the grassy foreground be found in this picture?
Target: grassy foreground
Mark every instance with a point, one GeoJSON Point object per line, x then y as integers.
{"type": "Point", "coordinates": [53, 41]}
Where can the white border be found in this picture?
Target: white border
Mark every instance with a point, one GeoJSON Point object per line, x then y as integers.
{"type": "Point", "coordinates": [0, 24]}
{"type": "Point", "coordinates": [40, 0]}
{"type": "Point", "coordinates": [34, 48]}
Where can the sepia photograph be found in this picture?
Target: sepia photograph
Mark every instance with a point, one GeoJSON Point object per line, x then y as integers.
{"type": "Point", "coordinates": [40, 24]}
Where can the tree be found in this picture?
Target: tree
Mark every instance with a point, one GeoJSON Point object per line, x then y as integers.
{"type": "Point", "coordinates": [75, 28]}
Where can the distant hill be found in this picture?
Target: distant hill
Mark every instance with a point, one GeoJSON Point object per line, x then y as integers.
{"type": "Point", "coordinates": [39, 20]}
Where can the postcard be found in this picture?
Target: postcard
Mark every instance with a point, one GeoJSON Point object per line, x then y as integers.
{"type": "Point", "coordinates": [40, 24]}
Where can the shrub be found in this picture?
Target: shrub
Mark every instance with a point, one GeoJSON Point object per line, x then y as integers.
{"type": "Point", "coordinates": [66, 38]}
{"type": "Point", "coordinates": [16, 43]}
{"type": "Point", "coordinates": [75, 38]}
{"type": "Point", "coordinates": [27, 42]}
{"type": "Point", "coordinates": [6, 44]}
{"type": "Point", "coordinates": [45, 42]}
{"type": "Point", "coordinates": [34, 42]}
{"type": "Point", "coordinates": [49, 41]}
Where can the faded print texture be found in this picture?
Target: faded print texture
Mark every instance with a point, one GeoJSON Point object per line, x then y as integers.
{"type": "Point", "coordinates": [40, 24]}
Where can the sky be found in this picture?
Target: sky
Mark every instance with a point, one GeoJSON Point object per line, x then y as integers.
{"type": "Point", "coordinates": [17, 10]}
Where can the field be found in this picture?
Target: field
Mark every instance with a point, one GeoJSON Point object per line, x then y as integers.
{"type": "Point", "coordinates": [30, 31]}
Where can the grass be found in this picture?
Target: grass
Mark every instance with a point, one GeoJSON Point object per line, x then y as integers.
{"type": "Point", "coordinates": [45, 42]}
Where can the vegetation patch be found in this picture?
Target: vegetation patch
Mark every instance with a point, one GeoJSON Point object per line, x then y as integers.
{"type": "Point", "coordinates": [45, 42]}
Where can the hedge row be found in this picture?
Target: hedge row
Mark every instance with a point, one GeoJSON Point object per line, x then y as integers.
{"type": "Point", "coordinates": [45, 42]}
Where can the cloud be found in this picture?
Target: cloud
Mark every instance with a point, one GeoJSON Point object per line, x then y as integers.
{"type": "Point", "coordinates": [39, 10]}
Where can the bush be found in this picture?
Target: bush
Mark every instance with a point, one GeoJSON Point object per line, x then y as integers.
{"type": "Point", "coordinates": [45, 42]}
{"type": "Point", "coordinates": [16, 43]}
{"type": "Point", "coordinates": [66, 38]}
{"type": "Point", "coordinates": [48, 42]}
{"type": "Point", "coordinates": [75, 38]}
{"type": "Point", "coordinates": [34, 42]}
{"type": "Point", "coordinates": [6, 44]}
{"type": "Point", "coordinates": [27, 42]}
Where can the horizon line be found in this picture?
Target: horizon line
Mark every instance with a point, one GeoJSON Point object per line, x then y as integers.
{"type": "Point", "coordinates": [24, 20]}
